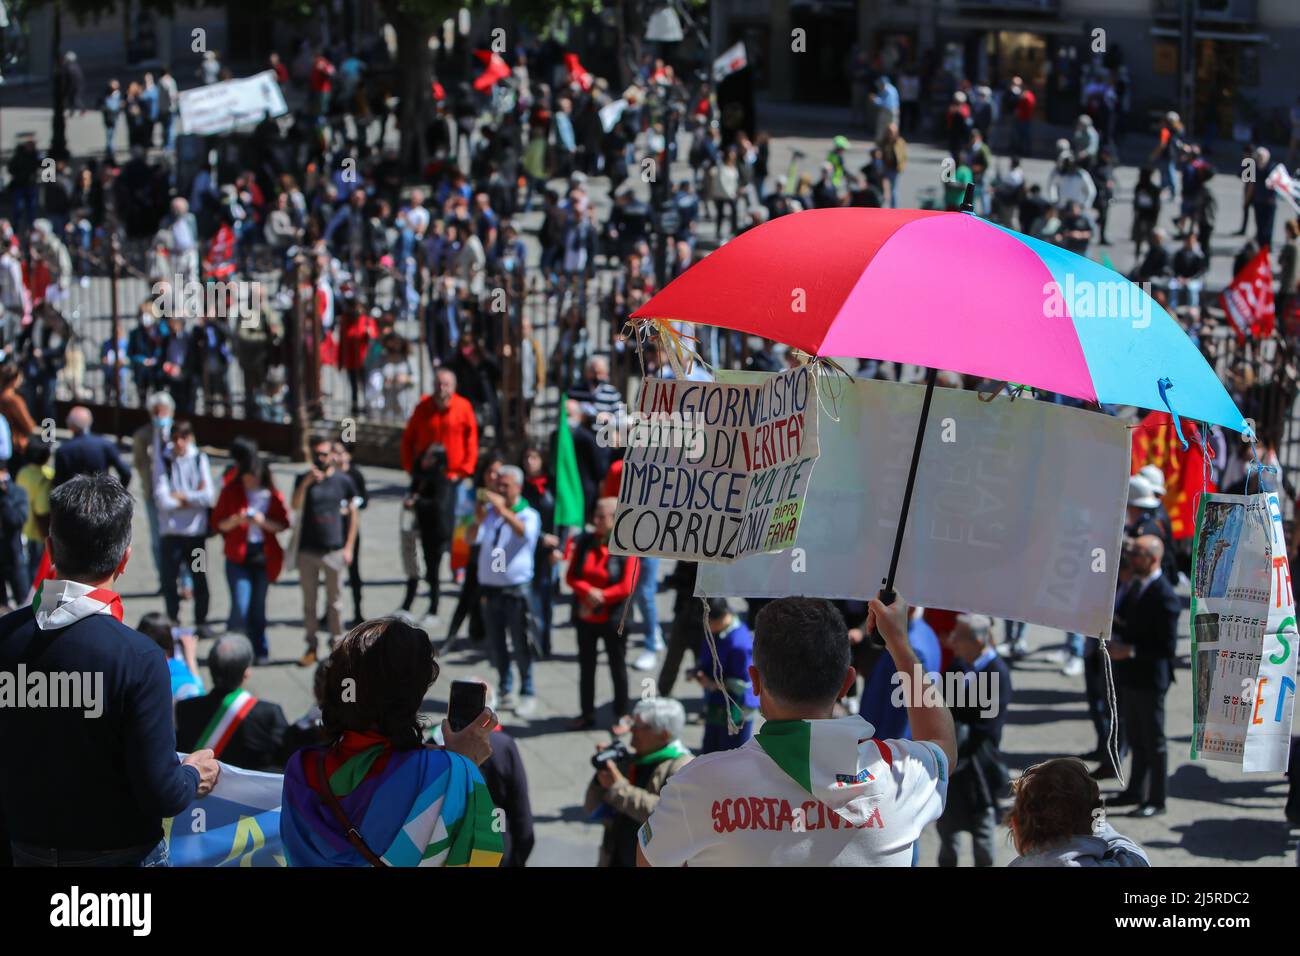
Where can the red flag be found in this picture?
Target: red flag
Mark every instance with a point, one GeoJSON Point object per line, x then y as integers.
{"type": "Point", "coordinates": [495, 69]}
{"type": "Point", "coordinates": [1249, 299]}
{"type": "Point", "coordinates": [577, 72]}
{"type": "Point", "coordinates": [1155, 442]}
{"type": "Point", "coordinates": [44, 572]}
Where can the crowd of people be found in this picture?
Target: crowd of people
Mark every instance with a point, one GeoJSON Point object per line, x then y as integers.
{"type": "Point", "coordinates": [479, 508]}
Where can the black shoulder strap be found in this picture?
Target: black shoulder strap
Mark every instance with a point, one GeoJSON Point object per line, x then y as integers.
{"type": "Point", "coordinates": [340, 817]}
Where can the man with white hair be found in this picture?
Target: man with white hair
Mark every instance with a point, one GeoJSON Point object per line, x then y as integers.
{"type": "Point", "coordinates": [1263, 199]}
{"type": "Point", "coordinates": [979, 775]}
{"type": "Point", "coordinates": [630, 786]}
{"type": "Point", "coordinates": [506, 529]}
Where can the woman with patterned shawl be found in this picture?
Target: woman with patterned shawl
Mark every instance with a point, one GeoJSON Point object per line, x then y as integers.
{"type": "Point", "coordinates": [391, 800]}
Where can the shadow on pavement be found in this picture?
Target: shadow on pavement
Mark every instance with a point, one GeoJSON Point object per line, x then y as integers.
{"type": "Point", "coordinates": [570, 814]}
{"type": "Point", "coordinates": [1190, 782]}
{"type": "Point", "coordinates": [1238, 840]}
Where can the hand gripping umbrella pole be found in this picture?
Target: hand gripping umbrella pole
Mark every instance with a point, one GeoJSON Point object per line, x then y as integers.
{"type": "Point", "coordinates": [887, 593]}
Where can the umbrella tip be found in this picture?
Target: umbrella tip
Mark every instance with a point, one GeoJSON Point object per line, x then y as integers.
{"type": "Point", "coordinates": [968, 201]}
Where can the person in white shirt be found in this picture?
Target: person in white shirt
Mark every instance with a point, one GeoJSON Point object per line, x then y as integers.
{"type": "Point", "coordinates": [506, 529]}
{"type": "Point", "coordinates": [810, 789]}
{"type": "Point", "coordinates": [184, 492]}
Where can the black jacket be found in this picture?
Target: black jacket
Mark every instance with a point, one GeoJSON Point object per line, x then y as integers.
{"type": "Point", "coordinates": [980, 774]}
{"type": "Point", "coordinates": [88, 454]}
{"type": "Point", "coordinates": [508, 784]}
{"type": "Point", "coordinates": [1150, 624]}
{"type": "Point", "coordinates": [258, 743]}
{"type": "Point", "coordinates": [79, 783]}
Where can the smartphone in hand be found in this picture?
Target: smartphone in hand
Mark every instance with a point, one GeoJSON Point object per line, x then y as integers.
{"type": "Point", "coordinates": [467, 700]}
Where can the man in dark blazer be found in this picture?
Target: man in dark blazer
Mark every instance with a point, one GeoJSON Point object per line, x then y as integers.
{"type": "Point", "coordinates": [86, 453]}
{"type": "Point", "coordinates": [1144, 647]}
{"type": "Point", "coordinates": [979, 712]}
{"type": "Point", "coordinates": [242, 730]}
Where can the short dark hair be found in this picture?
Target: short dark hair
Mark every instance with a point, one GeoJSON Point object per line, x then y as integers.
{"type": "Point", "coordinates": [157, 626]}
{"type": "Point", "coordinates": [38, 452]}
{"type": "Point", "coordinates": [317, 440]}
{"type": "Point", "coordinates": [801, 650]}
{"type": "Point", "coordinates": [390, 666]}
{"type": "Point", "coordinates": [90, 526]}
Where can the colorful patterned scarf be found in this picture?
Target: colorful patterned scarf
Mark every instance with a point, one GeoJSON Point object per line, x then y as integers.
{"type": "Point", "coordinates": [421, 807]}
{"type": "Point", "coordinates": [60, 603]}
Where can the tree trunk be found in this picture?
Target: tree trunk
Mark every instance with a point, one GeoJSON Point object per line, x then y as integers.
{"type": "Point", "coordinates": [415, 74]}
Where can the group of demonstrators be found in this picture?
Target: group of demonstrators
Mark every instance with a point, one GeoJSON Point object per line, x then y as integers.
{"type": "Point", "coordinates": [361, 774]}
{"type": "Point", "coordinates": [835, 772]}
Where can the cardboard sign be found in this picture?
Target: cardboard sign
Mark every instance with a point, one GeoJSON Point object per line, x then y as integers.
{"type": "Point", "coordinates": [1017, 511]}
{"type": "Point", "coordinates": [716, 471]}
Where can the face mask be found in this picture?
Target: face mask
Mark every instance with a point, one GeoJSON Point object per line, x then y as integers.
{"type": "Point", "coordinates": [163, 421]}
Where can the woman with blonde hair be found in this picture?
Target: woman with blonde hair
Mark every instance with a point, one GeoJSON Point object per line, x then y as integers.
{"type": "Point", "coordinates": [1058, 819]}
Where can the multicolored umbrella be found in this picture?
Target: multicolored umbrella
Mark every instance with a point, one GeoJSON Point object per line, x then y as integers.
{"type": "Point", "coordinates": [949, 290]}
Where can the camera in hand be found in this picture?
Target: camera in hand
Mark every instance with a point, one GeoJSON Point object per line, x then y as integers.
{"type": "Point", "coordinates": [616, 751]}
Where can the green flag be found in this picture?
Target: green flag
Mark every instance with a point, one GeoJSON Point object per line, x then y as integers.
{"type": "Point", "coordinates": [569, 504]}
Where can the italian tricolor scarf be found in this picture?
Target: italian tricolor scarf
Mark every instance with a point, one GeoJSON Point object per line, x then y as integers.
{"type": "Point", "coordinates": [422, 807]}
{"type": "Point", "coordinates": [60, 603]}
{"type": "Point", "coordinates": [234, 707]}
{"type": "Point", "coordinates": [838, 761]}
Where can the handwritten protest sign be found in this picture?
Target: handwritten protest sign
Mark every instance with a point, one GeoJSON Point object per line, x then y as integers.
{"type": "Point", "coordinates": [1017, 511]}
{"type": "Point", "coordinates": [717, 471]}
{"type": "Point", "coordinates": [1243, 633]}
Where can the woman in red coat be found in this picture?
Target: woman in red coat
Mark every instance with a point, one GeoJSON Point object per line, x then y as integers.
{"type": "Point", "coordinates": [249, 513]}
{"type": "Point", "coordinates": [356, 332]}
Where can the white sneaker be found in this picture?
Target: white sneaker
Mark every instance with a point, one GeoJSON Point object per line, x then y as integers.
{"type": "Point", "coordinates": [527, 707]}
{"type": "Point", "coordinates": [1073, 667]}
{"type": "Point", "coordinates": [508, 701]}
{"type": "Point", "coordinates": [645, 661]}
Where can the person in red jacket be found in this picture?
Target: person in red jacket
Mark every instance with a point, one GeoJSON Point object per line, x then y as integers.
{"type": "Point", "coordinates": [356, 332]}
{"type": "Point", "coordinates": [447, 419]}
{"type": "Point", "coordinates": [249, 513]}
{"type": "Point", "coordinates": [601, 582]}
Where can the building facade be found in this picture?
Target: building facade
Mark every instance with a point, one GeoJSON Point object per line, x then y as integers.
{"type": "Point", "coordinates": [1244, 80]}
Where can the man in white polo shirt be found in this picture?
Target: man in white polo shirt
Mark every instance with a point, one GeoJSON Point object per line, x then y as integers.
{"type": "Point", "coordinates": [810, 789]}
{"type": "Point", "coordinates": [506, 530]}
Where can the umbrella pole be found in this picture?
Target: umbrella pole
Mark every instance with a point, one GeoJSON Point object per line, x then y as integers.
{"type": "Point", "coordinates": [887, 594]}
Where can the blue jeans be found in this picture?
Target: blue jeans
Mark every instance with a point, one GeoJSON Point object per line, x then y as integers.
{"type": "Point", "coordinates": [507, 612]}
{"type": "Point", "coordinates": [25, 855]}
{"type": "Point", "coordinates": [248, 584]}
{"type": "Point", "coordinates": [647, 586]}
{"type": "Point", "coordinates": [1193, 288]}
